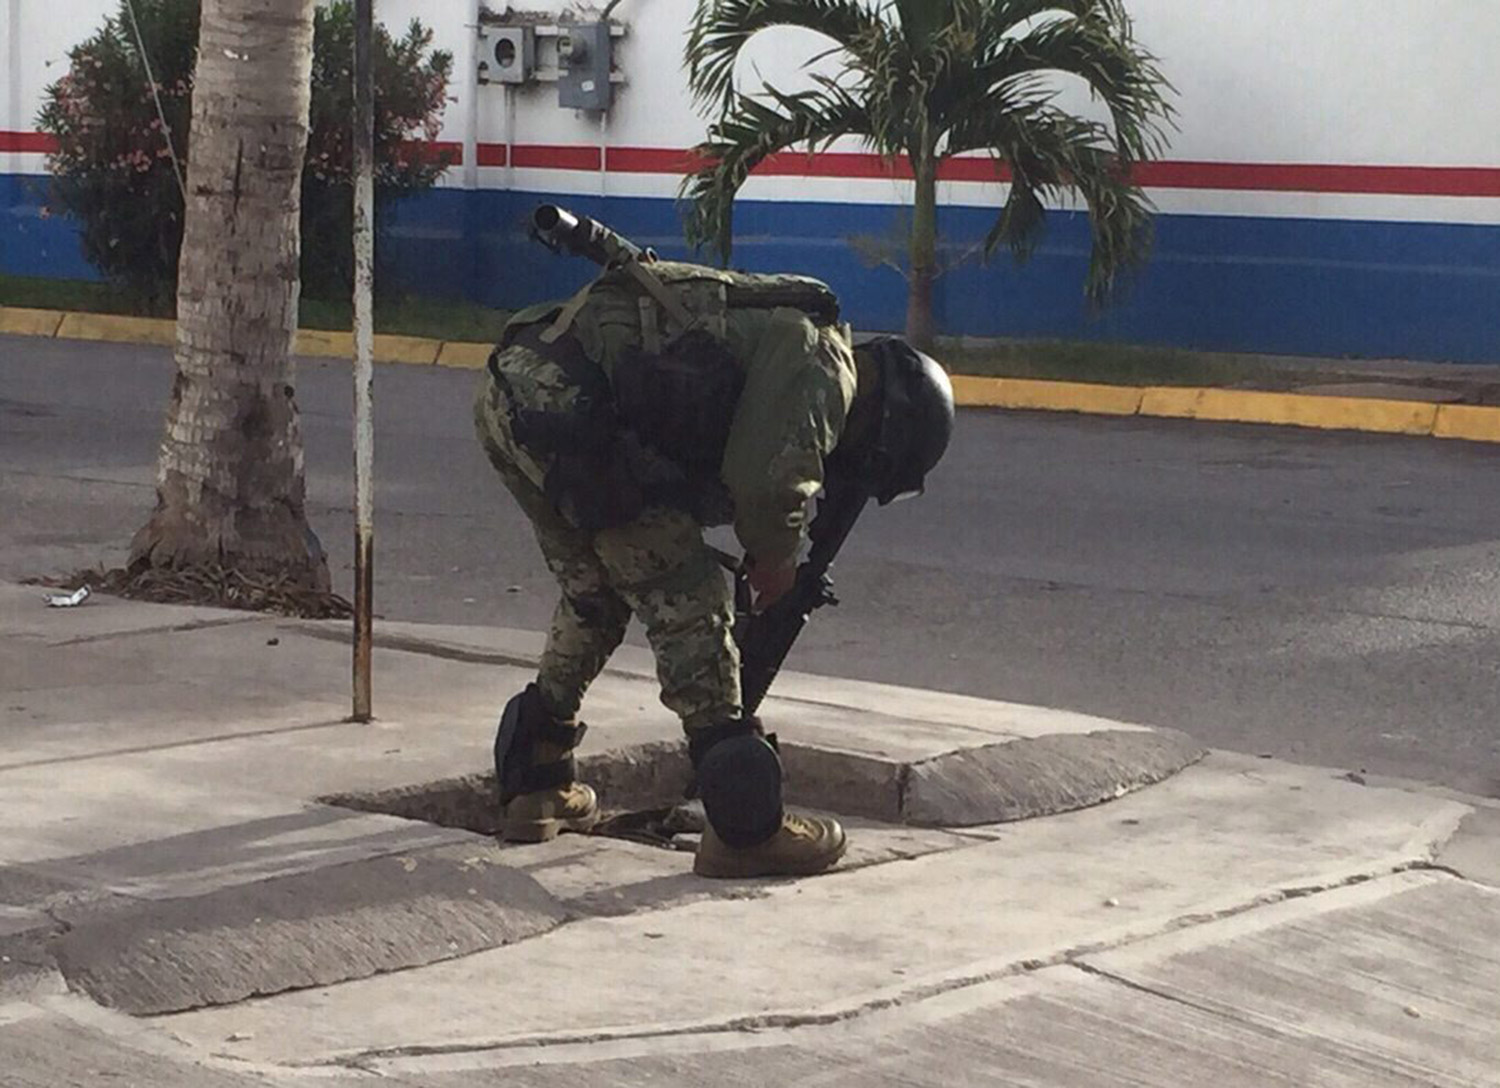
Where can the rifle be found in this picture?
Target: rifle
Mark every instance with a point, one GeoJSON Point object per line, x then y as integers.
{"type": "Point", "coordinates": [559, 229]}
{"type": "Point", "coordinates": [765, 638]}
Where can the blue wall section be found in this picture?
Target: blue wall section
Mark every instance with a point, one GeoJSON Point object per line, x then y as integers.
{"type": "Point", "coordinates": [1284, 286]}
{"type": "Point", "coordinates": [33, 243]}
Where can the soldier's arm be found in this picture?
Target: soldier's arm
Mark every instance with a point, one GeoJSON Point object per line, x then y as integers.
{"type": "Point", "coordinates": [799, 385]}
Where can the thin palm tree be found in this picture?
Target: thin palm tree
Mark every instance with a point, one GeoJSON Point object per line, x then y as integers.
{"type": "Point", "coordinates": [930, 79]}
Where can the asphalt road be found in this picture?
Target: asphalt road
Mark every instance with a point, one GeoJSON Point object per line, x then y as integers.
{"type": "Point", "coordinates": [1327, 598]}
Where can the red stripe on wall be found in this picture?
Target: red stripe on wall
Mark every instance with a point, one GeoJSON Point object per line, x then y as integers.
{"type": "Point", "coordinates": [1254, 177]}
{"type": "Point", "coordinates": [651, 160]}
{"type": "Point", "coordinates": [1315, 178]}
{"type": "Point", "coordinates": [1466, 181]}
{"type": "Point", "coordinates": [27, 141]}
{"type": "Point", "coordinates": [555, 156]}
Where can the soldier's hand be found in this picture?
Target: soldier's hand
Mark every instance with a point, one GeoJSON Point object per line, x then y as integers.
{"type": "Point", "coordinates": [771, 583]}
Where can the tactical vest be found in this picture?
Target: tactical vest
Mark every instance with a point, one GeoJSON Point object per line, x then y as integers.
{"type": "Point", "coordinates": [675, 396]}
{"type": "Point", "coordinates": [680, 390]}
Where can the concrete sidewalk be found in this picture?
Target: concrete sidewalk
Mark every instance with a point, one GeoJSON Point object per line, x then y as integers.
{"type": "Point", "coordinates": [180, 904]}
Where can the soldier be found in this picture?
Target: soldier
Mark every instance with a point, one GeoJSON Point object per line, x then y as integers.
{"type": "Point", "coordinates": [662, 398]}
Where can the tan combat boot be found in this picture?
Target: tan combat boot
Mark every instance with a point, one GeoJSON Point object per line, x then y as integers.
{"type": "Point", "coordinates": [536, 774]}
{"type": "Point", "coordinates": [805, 845]}
{"type": "Point", "coordinates": [542, 815]}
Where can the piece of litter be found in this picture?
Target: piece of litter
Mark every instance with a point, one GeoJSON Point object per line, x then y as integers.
{"type": "Point", "coordinates": [68, 600]}
{"type": "Point", "coordinates": [653, 936]}
{"type": "Point", "coordinates": [513, 589]}
{"type": "Point", "coordinates": [469, 600]}
{"type": "Point", "coordinates": [409, 864]}
{"type": "Point", "coordinates": [1111, 902]}
{"type": "Point", "coordinates": [273, 642]}
{"type": "Point", "coordinates": [1413, 1013]}
{"type": "Point", "coordinates": [238, 1037]}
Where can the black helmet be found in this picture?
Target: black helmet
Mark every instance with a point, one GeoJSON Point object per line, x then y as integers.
{"type": "Point", "coordinates": [916, 419]}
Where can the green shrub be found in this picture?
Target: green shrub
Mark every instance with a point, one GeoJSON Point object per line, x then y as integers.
{"type": "Point", "coordinates": [112, 169]}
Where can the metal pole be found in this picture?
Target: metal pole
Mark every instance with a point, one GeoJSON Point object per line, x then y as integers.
{"type": "Point", "coordinates": [364, 345]}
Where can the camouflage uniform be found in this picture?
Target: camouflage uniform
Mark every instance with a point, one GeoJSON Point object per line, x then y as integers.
{"type": "Point", "coordinates": [799, 384]}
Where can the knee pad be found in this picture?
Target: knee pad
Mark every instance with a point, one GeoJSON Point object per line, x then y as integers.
{"type": "Point", "coordinates": [524, 724]}
{"type": "Point", "coordinates": [739, 781]}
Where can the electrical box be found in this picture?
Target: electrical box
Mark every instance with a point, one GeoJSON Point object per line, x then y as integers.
{"type": "Point", "coordinates": [583, 60]}
{"type": "Point", "coordinates": [508, 54]}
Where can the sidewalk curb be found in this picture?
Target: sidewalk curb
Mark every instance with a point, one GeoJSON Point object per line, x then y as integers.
{"type": "Point", "coordinates": [1467, 422]}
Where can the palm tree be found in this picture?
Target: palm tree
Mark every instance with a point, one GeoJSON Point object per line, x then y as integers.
{"type": "Point", "coordinates": [930, 79]}
{"type": "Point", "coordinates": [230, 479]}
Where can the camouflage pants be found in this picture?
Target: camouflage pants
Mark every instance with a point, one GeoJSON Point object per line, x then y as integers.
{"type": "Point", "coordinates": [657, 567]}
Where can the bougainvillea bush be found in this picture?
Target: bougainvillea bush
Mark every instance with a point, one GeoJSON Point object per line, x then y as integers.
{"type": "Point", "coordinates": [112, 163]}
{"type": "Point", "coordinates": [111, 166]}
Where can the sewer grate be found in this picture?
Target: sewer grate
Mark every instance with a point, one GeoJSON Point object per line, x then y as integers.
{"type": "Point", "coordinates": [670, 827]}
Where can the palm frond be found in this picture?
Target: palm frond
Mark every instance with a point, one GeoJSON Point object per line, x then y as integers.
{"type": "Point", "coordinates": [750, 129]}
{"type": "Point", "coordinates": [1051, 154]}
{"type": "Point", "coordinates": [1000, 18]}
{"type": "Point", "coordinates": [923, 20]}
{"type": "Point", "coordinates": [1097, 48]}
{"type": "Point", "coordinates": [720, 29]}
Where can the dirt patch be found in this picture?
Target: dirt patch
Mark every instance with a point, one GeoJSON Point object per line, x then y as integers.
{"type": "Point", "coordinates": [214, 586]}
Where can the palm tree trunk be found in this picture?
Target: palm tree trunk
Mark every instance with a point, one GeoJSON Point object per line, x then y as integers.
{"type": "Point", "coordinates": [230, 479]}
{"type": "Point", "coordinates": [921, 329]}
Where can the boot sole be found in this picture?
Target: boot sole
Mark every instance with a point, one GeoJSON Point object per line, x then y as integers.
{"type": "Point", "coordinates": [545, 830]}
{"type": "Point", "coordinates": [732, 867]}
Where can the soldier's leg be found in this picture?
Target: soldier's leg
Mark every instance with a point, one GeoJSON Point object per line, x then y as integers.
{"type": "Point", "coordinates": [664, 570]}
{"type": "Point", "coordinates": [661, 565]}
{"type": "Point", "coordinates": [590, 619]}
{"type": "Point", "coordinates": [535, 772]}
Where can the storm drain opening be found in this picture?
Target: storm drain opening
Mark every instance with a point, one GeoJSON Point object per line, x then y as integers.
{"type": "Point", "coordinates": [642, 792]}
{"type": "Point", "coordinates": [641, 788]}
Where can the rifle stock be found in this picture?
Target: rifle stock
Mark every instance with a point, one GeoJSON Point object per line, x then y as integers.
{"type": "Point", "coordinates": [765, 638]}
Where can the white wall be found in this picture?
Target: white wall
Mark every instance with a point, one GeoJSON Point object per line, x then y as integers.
{"type": "Point", "coordinates": [1388, 82]}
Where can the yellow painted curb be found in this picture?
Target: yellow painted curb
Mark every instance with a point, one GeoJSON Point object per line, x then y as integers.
{"type": "Point", "coordinates": [388, 348]}
{"type": "Point", "coordinates": [416, 350]}
{"type": "Point", "coordinates": [1108, 400]}
{"type": "Point", "coordinates": [321, 342]}
{"type": "Point", "coordinates": [468, 356]}
{"type": "Point", "coordinates": [1171, 402]}
{"type": "Point", "coordinates": [1471, 421]}
{"type": "Point", "coordinates": [117, 329]}
{"type": "Point", "coordinates": [21, 321]}
{"type": "Point", "coordinates": [1308, 410]}
{"type": "Point", "coordinates": [1459, 421]}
